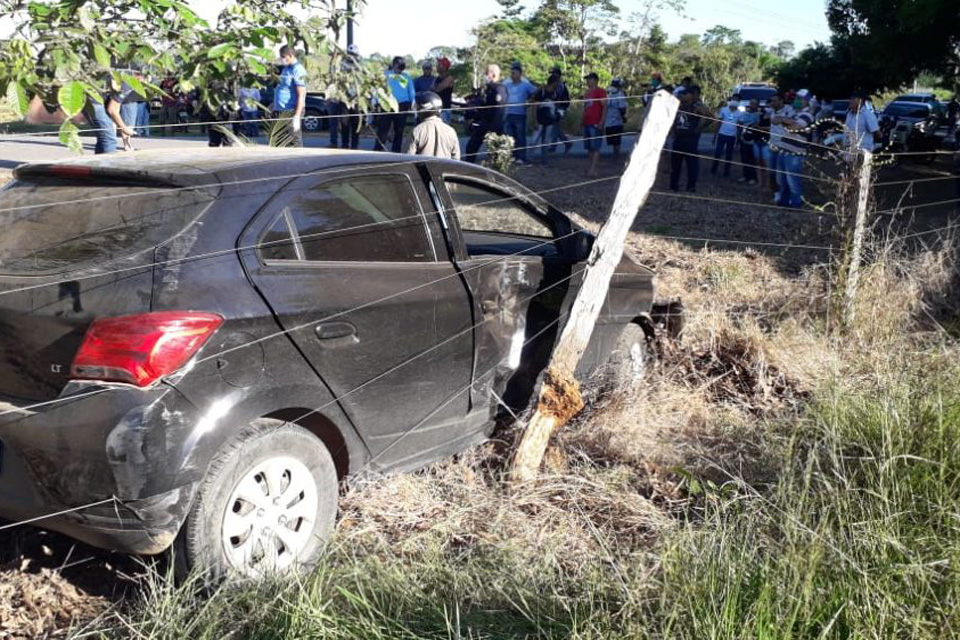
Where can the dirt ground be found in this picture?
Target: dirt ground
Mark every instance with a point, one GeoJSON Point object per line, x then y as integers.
{"type": "Point", "coordinates": [49, 583]}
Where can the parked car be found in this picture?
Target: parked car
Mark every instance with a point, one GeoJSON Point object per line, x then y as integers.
{"type": "Point", "coordinates": [910, 126]}
{"type": "Point", "coordinates": [200, 344]}
{"type": "Point", "coordinates": [939, 109]}
{"type": "Point", "coordinates": [759, 91]}
{"type": "Point", "coordinates": [314, 109]}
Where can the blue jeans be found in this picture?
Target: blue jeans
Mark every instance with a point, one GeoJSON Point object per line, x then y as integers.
{"type": "Point", "coordinates": [515, 126]}
{"type": "Point", "coordinates": [143, 119]}
{"type": "Point", "coordinates": [104, 128]}
{"type": "Point", "coordinates": [749, 160]}
{"type": "Point", "coordinates": [724, 148]}
{"type": "Point", "coordinates": [333, 110]}
{"type": "Point", "coordinates": [251, 129]}
{"type": "Point", "coordinates": [128, 113]}
{"type": "Point", "coordinates": [790, 167]}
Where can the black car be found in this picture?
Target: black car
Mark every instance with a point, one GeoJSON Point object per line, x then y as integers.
{"type": "Point", "coordinates": [315, 108]}
{"type": "Point", "coordinates": [910, 126]}
{"type": "Point", "coordinates": [197, 346]}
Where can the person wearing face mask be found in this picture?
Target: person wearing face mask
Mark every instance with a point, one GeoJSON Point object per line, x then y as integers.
{"type": "Point", "coordinates": [726, 137]}
{"type": "Point", "coordinates": [401, 86]}
{"type": "Point", "coordinates": [793, 146]}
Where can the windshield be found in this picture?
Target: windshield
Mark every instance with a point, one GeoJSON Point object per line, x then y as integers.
{"type": "Point", "coordinates": [53, 225]}
{"type": "Point", "coordinates": [756, 93]}
{"type": "Point", "coordinates": [906, 111]}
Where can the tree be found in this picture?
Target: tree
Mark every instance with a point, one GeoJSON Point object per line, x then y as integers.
{"type": "Point", "coordinates": [881, 45]}
{"type": "Point", "coordinates": [502, 42]}
{"type": "Point", "coordinates": [70, 52]}
{"type": "Point", "coordinates": [643, 41]}
{"type": "Point", "coordinates": [785, 49]}
{"type": "Point", "coordinates": [511, 9]}
{"type": "Point", "coordinates": [720, 35]}
{"type": "Point", "coordinates": [577, 24]}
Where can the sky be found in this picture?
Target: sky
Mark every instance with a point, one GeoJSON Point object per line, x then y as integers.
{"type": "Point", "coordinates": [394, 27]}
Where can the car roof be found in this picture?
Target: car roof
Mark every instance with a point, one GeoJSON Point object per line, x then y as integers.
{"type": "Point", "coordinates": [212, 165]}
{"type": "Point", "coordinates": [911, 103]}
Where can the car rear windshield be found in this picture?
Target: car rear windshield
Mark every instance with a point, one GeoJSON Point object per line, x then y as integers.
{"type": "Point", "coordinates": [906, 111]}
{"type": "Point", "coordinates": [56, 225]}
{"type": "Point", "coordinates": [756, 93]}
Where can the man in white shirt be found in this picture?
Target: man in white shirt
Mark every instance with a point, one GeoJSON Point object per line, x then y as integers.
{"type": "Point", "coordinates": [860, 127]}
{"type": "Point", "coordinates": [726, 138]}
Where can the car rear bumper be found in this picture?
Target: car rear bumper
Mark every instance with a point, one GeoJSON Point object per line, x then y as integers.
{"type": "Point", "coordinates": [100, 465]}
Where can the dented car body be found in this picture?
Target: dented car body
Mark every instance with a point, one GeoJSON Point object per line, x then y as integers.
{"type": "Point", "coordinates": [386, 305]}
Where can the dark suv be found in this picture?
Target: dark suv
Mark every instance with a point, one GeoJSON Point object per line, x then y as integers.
{"type": "Point", "coordinates": [196, 346]}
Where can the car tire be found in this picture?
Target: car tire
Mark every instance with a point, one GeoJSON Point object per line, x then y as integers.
{"type": "Point", "coordinates": [312, 121]}
{"type": "Point", "coordinates": [627, 363]}
{"type": "Point", "coordinates": [265, 506]}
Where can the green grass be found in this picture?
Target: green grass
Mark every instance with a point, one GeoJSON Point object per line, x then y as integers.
{"type": "Point", "coordinates": [858, 537]}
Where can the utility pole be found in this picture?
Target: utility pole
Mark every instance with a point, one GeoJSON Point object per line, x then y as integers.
{"type": "Point", "coordinates": [349, 23]}
{"type": "Point", "coordinates": [560, 393]}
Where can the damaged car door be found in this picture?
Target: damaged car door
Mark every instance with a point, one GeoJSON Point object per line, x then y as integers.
{"type": "Point", "coordinates": [519, 274]}
{"type": "Point", "coordinates": [349, 266]}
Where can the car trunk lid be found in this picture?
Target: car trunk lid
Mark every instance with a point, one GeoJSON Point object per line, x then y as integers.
{"type": "Point", "coordinates": [77, 243]}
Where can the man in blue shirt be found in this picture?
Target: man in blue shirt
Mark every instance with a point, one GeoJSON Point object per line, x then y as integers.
{"type": "Point", "coordinates": [519, 91]}
{"type": "Point", "coordinates": [290, 96]}
{"type": "Point", "coordinates": [401, 86]}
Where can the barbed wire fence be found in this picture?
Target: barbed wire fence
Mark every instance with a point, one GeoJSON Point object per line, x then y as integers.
{"type": "Point", "coordinates": [854, 189]}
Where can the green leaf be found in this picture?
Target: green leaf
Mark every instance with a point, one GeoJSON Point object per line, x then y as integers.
{"type": "Point", "coordinates": [221, 50]}
{"type": "Point", "coordinates": [186, 86]}
{"type": "Point", "coordinates": [134, 83]}
{"type": "Point", "coordinates": [70, 136]}
{"type": "Point", "coordinates": [256, 66]}
{"type": "Point", "coordinates": [101, 55]}
{"type": "Point", "coordinates": [71, 98]}
{"type": "Point", "coordinates": [264, 53]}
{"type": "Point", "coordinates": [387, 101]}
{"type": "Point", "coordinates": [17, 97]}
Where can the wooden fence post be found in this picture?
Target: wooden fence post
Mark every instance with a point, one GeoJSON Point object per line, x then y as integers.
{"type": "Point", "coordinates": [853, 273]}
{"type": "Point", "coordinates": [560, 394]}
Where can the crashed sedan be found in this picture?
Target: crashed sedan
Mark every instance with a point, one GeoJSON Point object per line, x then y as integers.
{"type": "Point", "coordinates": [195, 349]}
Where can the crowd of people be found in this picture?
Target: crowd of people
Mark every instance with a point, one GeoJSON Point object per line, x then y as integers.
{"type": "Point", "coordinates": [773, 139]}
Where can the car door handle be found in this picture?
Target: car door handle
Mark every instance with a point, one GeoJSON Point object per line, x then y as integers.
{"type": "Point", "coordinates": [336, 330]}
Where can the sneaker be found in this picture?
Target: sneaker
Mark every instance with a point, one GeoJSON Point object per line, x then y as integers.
{"type": "Point", "coordinates": [776, 198]}
{"type": "Point", "coordinates": [741, 180]}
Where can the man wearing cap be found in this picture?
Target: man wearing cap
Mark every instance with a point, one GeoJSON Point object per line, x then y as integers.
{"type": "Point", "coordinates": [401, 86]}
{"type": "Point", "coordinates": [860, 126]}
{"type": "Point", "coordinates": [427, 80]}
{"type": "Point", "coordinates": [616, 115]}
{"type": "Point", "coordinates": [519, 92]}
{"type": "Point", "coordinates": [444, 88]}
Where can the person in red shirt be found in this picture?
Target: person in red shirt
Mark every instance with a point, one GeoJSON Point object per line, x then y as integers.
{"type": "Point", "coordinates": [594, 115]}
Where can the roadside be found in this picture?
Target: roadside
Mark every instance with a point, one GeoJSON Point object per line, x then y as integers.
{"type": "Point", "coordinates": [634, 469]}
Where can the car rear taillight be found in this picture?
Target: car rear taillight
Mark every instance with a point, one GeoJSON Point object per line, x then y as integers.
{"type": "Point", "coordinates": [143, 348]}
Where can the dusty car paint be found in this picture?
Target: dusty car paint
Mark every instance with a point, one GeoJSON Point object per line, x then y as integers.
{"type": "Point", "coordinates": [385, 382]}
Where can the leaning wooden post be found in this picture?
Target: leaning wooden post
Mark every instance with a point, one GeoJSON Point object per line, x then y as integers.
{"type": "Point", "coordinates": [560, 394]}
{"type": "Point", "coordinates": [853, 274]}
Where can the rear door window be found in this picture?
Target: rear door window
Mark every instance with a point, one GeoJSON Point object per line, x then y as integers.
{"type": "Point", "coordinates": [375, 218]}
{"type": "Point", "coordinates": [57, 225]}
